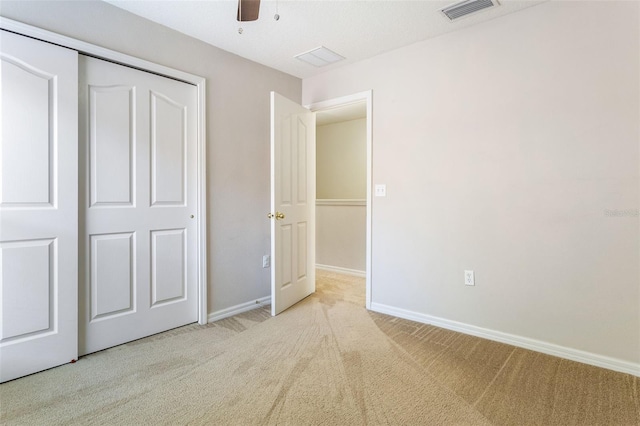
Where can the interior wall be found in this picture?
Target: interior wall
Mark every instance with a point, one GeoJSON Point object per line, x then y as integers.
{"type": "Point", "coordinates": [341, 173]}
{"type": "Point", "coordinates": [341, 237]}
{"type": "Point", "coordinates": [511, 148]}
{"type": "Point", "coordinates": [237, 130]}
{"type": "Point", "coordinates": [341, 160]}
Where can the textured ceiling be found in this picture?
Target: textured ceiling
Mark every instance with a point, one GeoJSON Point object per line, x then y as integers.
{"type": "Point", "coordinates": [356, 29]}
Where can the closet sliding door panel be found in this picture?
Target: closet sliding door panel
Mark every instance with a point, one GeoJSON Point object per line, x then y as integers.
{"type": "Point", "coordinates": [38, 206]}
{"type": "Point", "coordinates": [138, 269]}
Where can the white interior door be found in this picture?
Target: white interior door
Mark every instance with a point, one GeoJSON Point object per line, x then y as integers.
{"type": "Point", "coordinates": [138, 193]}
{"type": "Point", "coordinates": [292, 203]}
{"type": "Point", "coordinates": [38, 206]}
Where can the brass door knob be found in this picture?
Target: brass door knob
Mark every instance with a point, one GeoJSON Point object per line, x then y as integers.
{"type": "Point", "coordinates": [278, 215]}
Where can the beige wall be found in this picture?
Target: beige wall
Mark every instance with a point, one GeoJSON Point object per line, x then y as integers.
{"type": "Point", "coordinates": [341, 160]}
{"type": "Point", "coordinates": [341, 173]}
{"type": "Point", "coordinates": [237, 126]}
{"type": "Point", "coordinates": [341, 236]}
{"type": "Point", "coordinates": [503, 146]}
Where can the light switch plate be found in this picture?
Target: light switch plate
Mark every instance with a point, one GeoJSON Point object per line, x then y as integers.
{"type": "Point", "coordinates": [381, 190]}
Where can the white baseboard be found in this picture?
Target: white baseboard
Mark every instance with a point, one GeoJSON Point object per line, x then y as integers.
{"type": "Point", "coordinates": [511, 339]}
{"type": "Point", "coordinates": [238, 309]}
{"type": "Point", "coordinates": [340, 270]}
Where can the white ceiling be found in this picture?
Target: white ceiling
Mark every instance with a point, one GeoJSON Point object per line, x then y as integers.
{"type": "Point", "coordinates": [355, 29]}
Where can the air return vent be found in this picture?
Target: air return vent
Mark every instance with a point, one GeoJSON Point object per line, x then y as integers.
{"type": "Point", "coordinates": [320, 56]}
{"type": "Point", "coordinates": [467, 7]}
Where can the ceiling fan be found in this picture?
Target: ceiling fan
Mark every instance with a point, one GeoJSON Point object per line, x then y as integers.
{"type": "Point", "coordinates": [248, 10]}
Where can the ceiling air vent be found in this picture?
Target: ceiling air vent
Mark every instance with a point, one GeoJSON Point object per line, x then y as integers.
{"type": "Point", "coordinates": [320, 56]}
{"type": "Point", "coordinates": [467, 7]}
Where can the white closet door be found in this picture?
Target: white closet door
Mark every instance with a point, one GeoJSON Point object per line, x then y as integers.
{"type": "Point", "coordinates": [138, 194]}
{"type": "Point", "coordinates": [38, 206]}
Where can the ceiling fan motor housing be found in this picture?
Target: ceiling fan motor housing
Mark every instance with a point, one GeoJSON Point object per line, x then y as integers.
{"type": "Point", "coordinates": [248, 10]}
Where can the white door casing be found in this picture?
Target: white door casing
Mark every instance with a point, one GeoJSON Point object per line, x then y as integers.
{"type": "Point", "coordinates": [292, 203]}
{"type": "Point", "coordinates": [138, 134]}
{"type": "Point", "coordinates": [38, 206]}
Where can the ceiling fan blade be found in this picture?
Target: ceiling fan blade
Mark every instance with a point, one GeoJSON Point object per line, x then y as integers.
{"type": "Point", "coordinates": [248, 10]}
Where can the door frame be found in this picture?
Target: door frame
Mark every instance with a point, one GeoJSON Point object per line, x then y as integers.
{"type": "Point", "coordinates": [366, 96]}
{"type": "Point", "coordinates": [200, 83]}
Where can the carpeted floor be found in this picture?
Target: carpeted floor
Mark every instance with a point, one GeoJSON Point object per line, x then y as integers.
{"type": "Point", "coordinates": [324, 361]}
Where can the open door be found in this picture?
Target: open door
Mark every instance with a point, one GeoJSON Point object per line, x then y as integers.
{"type": "Point", "coordinates": [293, 197]}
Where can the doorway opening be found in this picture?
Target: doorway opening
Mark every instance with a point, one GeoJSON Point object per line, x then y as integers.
{"type": "Point", "coordinates": [343, 187]}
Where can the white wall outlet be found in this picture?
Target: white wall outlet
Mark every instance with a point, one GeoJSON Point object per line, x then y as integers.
{"type": "Point", "coordinates": [381, 190]}
{"type": "Point", "coordinates": [468, 278]}
{"type": "Point", "coordinates": [266, 261]}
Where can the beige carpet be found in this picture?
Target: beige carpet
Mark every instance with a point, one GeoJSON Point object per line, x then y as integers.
{"type": "Point", "coordinates": [324, 361]}
{"type": "Point", "coordinates": [515, 386]}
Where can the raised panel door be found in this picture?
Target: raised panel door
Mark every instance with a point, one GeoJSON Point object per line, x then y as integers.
{"type": "Point", "coordinates": [138, 173]}
{"type": "Point", "coordinates": [38, 206]}
{"type": "Point", "coordinates": [292, 186]}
